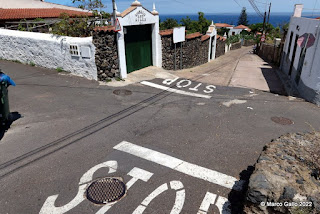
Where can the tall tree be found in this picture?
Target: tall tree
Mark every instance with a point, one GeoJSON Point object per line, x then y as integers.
{"type": "Point", "coordinates": [243, 18]}
{"type": "Point", "coordinates": [89, 4]}
{"type": "Point", "coordinates": [169, 23]}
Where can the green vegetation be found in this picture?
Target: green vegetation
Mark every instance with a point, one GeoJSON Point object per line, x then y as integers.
{"type": "Point", "coordinates": [16, 61]}
{"type": "Point", "coordinates": [223, 31]}
{"type": "Point", "coordinates": [59, 69]}
{"type": "Point", "coordinates": [72, 26]}
{"type": "Point", "coordinates": [201, 25]}
{"type": "Point", "coordinates": [169, 23]}
{"type": "Point", "coordinates": [32, 64]}
{"type": "Point", "coordinates": [233, 39]}
{"type": "Point", "coordinates": [119, 79]}
{"type": "Point", "coordinates": [243, 18]}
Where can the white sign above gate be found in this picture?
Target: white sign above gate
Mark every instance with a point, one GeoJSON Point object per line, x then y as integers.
{"type": "Point", "coordinates": [141, 16]}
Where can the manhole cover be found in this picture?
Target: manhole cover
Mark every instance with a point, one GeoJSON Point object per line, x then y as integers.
{"type": "Point", "coordinates": [122, 92]}
{"type": "Point", "coordinates": [282, 120]}
{"type": "Point", "coordinates": [106, 190]}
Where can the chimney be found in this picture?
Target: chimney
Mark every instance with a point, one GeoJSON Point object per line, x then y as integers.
{"type": "Point", "coordinates": [298, 10]}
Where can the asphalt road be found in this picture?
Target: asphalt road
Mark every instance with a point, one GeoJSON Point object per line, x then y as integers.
{"type": "Point", "coordinates": [178, 150]}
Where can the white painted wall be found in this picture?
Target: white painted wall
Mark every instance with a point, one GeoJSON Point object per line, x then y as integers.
{"type": "Point", "coordinates": [212, 32]}
{"type": "Point", "coordinates": [47, 50]}
{"type": "Point", "coordinates": [236, 31]}
{"type": "Point", "coordinates": [131, 20]}
{"type": "Point", "coordinates": [310, 71]}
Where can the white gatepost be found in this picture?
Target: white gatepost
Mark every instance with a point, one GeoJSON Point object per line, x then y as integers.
{"type": "Point", "coordinates": [138, 15]}
{"type": "Point", "coordinates": [212, 32]}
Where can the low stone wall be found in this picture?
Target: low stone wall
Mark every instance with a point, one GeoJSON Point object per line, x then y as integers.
{"type": "Point", "coordinates": [49, 51]}
{"type": "Point", "coordinates": [221, 46]}
{"type": "Point", "coordinates": [106, 57]}
{"type": "Point", "coordinates": [286, 177]}
{"type": "Point", "coordinates": [195, 52]}
{"type": "Point", "coordinates": [271, 53]}
{"type": "Point", "coordinates": [235, 46]}
{"type": "Point", "coordinates": [249, 42]}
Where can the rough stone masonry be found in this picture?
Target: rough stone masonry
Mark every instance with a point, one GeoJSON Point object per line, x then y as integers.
{"type": "Point", "coordinates": [286, 177]}
{"type": "Point", "coordinates": [106, 53]}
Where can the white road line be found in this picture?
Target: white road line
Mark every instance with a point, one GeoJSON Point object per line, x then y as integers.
{"type": "Point", "coordinates": [174, 90]}
{"type": "Point", "coordinates": [180, 165]}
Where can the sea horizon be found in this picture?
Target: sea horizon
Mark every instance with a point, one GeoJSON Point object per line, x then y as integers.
{"type": "Point", "coordinates": [276, 18]}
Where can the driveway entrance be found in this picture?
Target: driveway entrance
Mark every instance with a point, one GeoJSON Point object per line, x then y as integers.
{"type": "Point", "coordinates": [138, 47]}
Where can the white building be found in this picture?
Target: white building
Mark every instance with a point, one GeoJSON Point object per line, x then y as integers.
{"type": "Point", "coordinates": [232, 29]}
{"type": "Point", "coordinates": [238, 29]}
{"type": "Point", "coordinates": [301, 55]}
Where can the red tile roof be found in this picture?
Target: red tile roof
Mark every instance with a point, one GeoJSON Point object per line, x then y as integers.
{"type": "Point", "coordinates": [222, 25]}
{"type": "Point", "coordinates": [32, 13]}
{"type": "Point", "coordinates": [166, 32]}
{"type": "Point", "coordinates": [241, 27]}
{"type": "Point", "coordinates": [221, 38]}
{"type": "Point", "coordinates": [204, 37]}
{"type": "Point", "coordinates": [128, 10]}
{"type": "Point", "coordinates": [108, 28]}
{"type": "Point", "coordinates": [193, 35]}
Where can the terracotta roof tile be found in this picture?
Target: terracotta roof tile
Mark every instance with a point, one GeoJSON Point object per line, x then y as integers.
{"type": "Point", "coordinates": [14, 14]}
{"type": "Point", "coordinates": [193, 35]}
{"type": "Point", "coordinates": [222, 25]}
{"type": "Point", "coordinates": [241, 27]}
{"type": "Point", "coordinates": [166, 32]}
{"type": "Point", "coordinates": [221, 38]}
{"type": "Point", "coordinates": [108, 28]}
{"type": "Point", "coordinates": [128, 10]}
{"type": "Point", "coordinates": [204, 37]}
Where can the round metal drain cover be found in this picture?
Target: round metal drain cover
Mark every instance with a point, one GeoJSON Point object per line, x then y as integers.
{"type": "Point", "coordinates": [105, 190]}
{"type": "Point", "coordinates": [282, 120]}
{"type": "Point", "coordinates": [122, 92]}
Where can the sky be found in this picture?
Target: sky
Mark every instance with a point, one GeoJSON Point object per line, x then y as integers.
{"type": "Point", "coordinates": [208, 6]}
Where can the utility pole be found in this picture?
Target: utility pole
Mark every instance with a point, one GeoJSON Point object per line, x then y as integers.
{"type": "Point", "coordinates": [264, 23]}
{"type": "Point", "coordinates": [269, 13]}
{"type": "Point", "coordinates": [114, 12]}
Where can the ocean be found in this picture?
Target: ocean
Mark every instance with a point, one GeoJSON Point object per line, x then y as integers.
{"type": "Point", "coordinates": [275, 19]}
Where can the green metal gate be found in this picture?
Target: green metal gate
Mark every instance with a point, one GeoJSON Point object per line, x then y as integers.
{"type": "Point", "coordinates": [138, 47]}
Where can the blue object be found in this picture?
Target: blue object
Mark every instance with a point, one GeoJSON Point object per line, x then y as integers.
{"type": "Point", "coordinates": [7, 79]}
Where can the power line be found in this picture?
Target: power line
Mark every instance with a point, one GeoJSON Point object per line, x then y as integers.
{"type": "Point", "coordinates": [237, 3]}
{"type": "Point", "coordinates": [315, 4]}
{"type": "Point", "coordinates": [254, 6]}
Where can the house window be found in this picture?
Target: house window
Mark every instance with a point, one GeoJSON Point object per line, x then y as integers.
{"type": "Point", "coordinates": [74, 50]}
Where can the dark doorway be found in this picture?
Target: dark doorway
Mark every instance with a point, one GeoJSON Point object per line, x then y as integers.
{"type": "Point", "coordinates": [293, 54]}
{"type": "Point", "coordinates": [138, 42]}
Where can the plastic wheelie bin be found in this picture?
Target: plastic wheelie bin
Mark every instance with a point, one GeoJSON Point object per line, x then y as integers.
{"type": "Point", "coordinates": [5, 81]}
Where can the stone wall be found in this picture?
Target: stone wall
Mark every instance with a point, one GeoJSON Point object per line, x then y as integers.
{"type": "Point", "coordinates": [286, 177]}
{"type": "Point", "coordinates": [249, 42]}
{"type": "Point", "coordinates": [271, 53]}
{"type": "Point", "coordinates": [194, 52]}
{"type": "Point", "coordinates": [106, 57]}
{"type": "Point", "coordinates": [221, 46]}
{"type": "Point", "coordinates": [235, 46]}
{"type": "Point", "coordinates": [49, 51]}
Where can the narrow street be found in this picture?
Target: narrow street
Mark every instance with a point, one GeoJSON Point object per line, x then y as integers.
{"type": "Point", "coordinates": [182, 141]}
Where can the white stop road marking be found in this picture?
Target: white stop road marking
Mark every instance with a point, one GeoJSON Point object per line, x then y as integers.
{"type": "Point", "coordinates": [180, 165]}
{"type": "Point", "coordinates": [166, 88]}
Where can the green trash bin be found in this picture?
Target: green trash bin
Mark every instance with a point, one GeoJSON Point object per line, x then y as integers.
{"type": "Point", "coordinates": [4, 103]}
